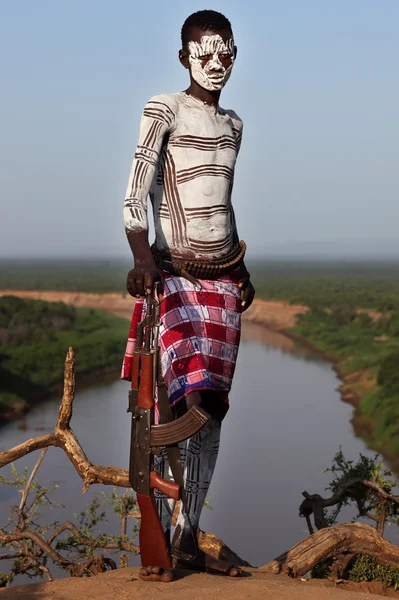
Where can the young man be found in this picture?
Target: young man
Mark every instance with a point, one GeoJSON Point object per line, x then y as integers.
{"type": "Point", "coordinates": [185, 161]}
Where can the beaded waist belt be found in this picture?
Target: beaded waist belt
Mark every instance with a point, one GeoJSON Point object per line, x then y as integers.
{"type": "Point", "coordinates": [193, 269]}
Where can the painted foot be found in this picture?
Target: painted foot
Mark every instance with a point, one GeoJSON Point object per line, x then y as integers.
{"type": "Point", "coordinates": [205, 562]}
{"type": "Point", "coordinates": [154, 573]}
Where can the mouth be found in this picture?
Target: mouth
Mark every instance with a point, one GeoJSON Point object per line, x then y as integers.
{"type": "Point", "coordinates": [217, 77]}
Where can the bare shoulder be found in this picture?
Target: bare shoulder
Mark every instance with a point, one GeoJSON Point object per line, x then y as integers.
{"type": "Point", "coordinates": [237, 121]}
{"type": "Point", "coordinates": [168, 102]}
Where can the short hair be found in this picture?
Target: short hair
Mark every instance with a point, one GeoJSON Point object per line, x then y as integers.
{"type": "Point", "coordinates": [206, 20]}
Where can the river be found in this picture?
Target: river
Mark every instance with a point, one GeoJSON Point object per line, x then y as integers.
{"type": "Point", "coordinates": [285, 423]}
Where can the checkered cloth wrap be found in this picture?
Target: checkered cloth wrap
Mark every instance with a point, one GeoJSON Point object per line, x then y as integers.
{"type": "Point", "coordinates": [199, 335]}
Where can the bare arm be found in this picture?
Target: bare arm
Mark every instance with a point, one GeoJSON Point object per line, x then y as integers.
{"type": "Point", "coordinates": [145, 273]}
{"type": "Point", "coordinates": [247, 289]}
{"type": "Point", "coordinates": [157, 120]}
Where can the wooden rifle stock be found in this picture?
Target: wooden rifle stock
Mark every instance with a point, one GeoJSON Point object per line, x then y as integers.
{"type": "Point", "coordinates": [153, 548]}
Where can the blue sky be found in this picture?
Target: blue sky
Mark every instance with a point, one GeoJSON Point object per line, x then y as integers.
{"type": "Point", "coordinates": [316, 84]}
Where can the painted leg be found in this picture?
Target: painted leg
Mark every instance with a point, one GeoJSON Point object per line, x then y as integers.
{"type": "Point", "coordinates": [202, 452]}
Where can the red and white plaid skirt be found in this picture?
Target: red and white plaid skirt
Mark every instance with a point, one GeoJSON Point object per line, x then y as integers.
{"type": "Point", "coordinates": [199, 335]}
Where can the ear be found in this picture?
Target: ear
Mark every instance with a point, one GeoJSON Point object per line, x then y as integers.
{"type": "Point", "coordinates": [183, 57]}
{"type": "Point", "coordinates": [235, 52]}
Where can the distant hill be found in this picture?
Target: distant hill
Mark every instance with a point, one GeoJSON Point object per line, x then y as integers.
{"type": "Point", "coordinates": [372, 249]}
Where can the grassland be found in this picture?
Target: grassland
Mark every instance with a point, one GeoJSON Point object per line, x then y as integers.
{"type": "Point", "coordinates": [366, 352]}
{"type": "Point", "coordinates": [365, 345]}
{"type": "Point", "coordinates": [357, 284]}
{"type": "Point", "coordinates": [34, 338]}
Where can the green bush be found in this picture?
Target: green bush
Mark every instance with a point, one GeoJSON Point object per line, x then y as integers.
{"type": "Point", "coordinates": [34, 339]}
{"type": "Point", "coordinates": [388, 376]}
{"type": "Point", "coordinates": [365, 568]}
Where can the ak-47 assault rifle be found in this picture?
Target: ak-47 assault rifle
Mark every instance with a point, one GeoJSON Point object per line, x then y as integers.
{"type": "Point", "coordinates": [148, 438]}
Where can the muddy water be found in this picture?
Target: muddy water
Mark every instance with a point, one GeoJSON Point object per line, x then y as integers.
{"type": "Point", "coordinates": [285, 424]}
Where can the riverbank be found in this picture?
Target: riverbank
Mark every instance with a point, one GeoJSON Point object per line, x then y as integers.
{"type": "Point", "coordinates": [34, 338]}
{"type": "Point", "coordinates": [355, 341]}
{"type": "Point", "coordinates": [277, 316]}
{"type": "Point", "coordinates": [83, 380]}
{"type": "Point", "coordinates": [274, 315]}
{"type": "Point", "coordinates": [293, 400]}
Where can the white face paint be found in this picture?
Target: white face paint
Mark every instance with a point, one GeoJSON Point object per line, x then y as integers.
{"type": "Point", "coordinates": [213, 75]}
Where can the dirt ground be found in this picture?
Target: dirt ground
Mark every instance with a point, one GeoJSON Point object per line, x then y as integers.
{"type": "Point", "coordinates": [276, 315]}
{"type": "Point", "coordinates": [124, 584]}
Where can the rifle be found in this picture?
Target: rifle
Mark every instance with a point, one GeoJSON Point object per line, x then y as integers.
{"type": "Point", "coordinates": [147, 438]}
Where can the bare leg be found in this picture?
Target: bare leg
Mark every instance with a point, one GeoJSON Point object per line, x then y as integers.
{"type": "Point", "coordinates": [199, 454]}
{"type": "Point", "coordinates": [202, 452]}
{"type": "Point", "coordinates": [164, 504]}
{"type": "Point", "coordinates": [200, 461]}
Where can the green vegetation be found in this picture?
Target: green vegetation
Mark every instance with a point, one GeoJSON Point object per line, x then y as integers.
{"type": "Point", "coordinates": [332, 290]}
{"type": "Point", "coordinates": [76, 546]}
{"type": "Point", "coordinates": [368, 346]}
{"type": "Point", "coordinates": [367, 487]}
{"type": "Point", "coordinates": [366, 568]}
{"type": "Point", "coordinates": [34, 338]}
{"type": "Point", "coordinates": [356, 284]}
{"type": "Point", "coordinates": [93, 276]}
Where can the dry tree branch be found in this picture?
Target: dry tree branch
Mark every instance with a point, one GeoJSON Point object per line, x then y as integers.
{"type": "Point", "coordinates": [347, 538]}
{"type": "Point", "coordinates": [27, 488]}
{"type": "Point", "coordinates": [47, 572]}
{"type": "Point", "coordinates": [63, 437]}
{"type": "Point", "coordinates": [18, 536]}
{"type": "Point", "coordinates": [11, 556]}
{"type": "Point", "coordinates": [315, 504]}
{"type": "Point", "coordinates": [91, 542]}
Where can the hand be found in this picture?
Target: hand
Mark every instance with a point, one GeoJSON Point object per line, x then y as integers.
{"type": "Point", "coordinates": [247, 289]}
{"type": "Point", "coordinates": [141, 281]}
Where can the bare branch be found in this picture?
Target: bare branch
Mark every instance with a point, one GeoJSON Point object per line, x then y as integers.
{"type": "Point", "coordinates": [27, 487]}
{"type": "Point", "coordinates": [36, 539]}
{"type": "Point", "coordinates": [63, 437]}
{"type": "Point", "coordinates": [92, 542]}
{"type": "Point", "coordinates": [377, 488]}
{"type": "Point", "coordinates": [372, 517]}
{"type": "Point", "coordinates": [47, 572]}
{"type": "Point", "coordinates": [353, 538]}
{"type": "Point", "coordinates": [27, 447]}
{"type": "Point", "coordinates": [315, 504]}
{"type": "Point", "coordinates": [11, 556]}
{"type": "Point", "coordinates": [65, 412]}
{"type": "Point", "coordinates": [124, 514]}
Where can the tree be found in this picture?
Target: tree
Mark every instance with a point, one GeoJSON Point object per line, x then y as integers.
{"type": "Point", "coordinates": [31, 546]}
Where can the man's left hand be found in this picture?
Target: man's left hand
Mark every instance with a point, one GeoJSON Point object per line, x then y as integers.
{"type": "Point", "coordinates": [247, 289]}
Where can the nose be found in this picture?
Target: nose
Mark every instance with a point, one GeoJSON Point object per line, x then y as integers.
{"type": "Point", "coordinates": [215, 64]}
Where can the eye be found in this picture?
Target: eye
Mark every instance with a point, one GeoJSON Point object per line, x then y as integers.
{"type": "Point", "coordinates": [205, 56]}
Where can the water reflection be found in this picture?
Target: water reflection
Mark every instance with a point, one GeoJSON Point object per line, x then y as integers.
{"type": "Point", "coordinates": [285, 424]}
{"type": "Point", "coordinates": [276, 341]}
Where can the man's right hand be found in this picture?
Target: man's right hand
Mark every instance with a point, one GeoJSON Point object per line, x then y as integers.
{"type": "Point", "coordinates": [141, 281]}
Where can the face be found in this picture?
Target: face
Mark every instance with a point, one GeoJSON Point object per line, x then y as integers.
{"type": "Point", "coordinates": [211, 58]}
